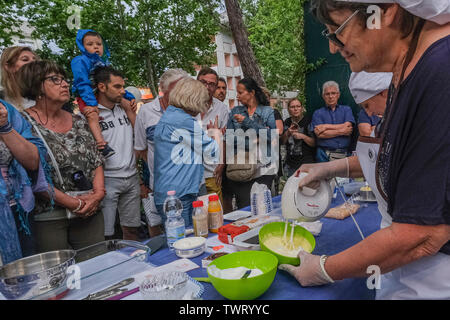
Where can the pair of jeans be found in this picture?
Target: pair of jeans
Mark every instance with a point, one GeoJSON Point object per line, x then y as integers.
{"type": "Point", "coordinates": [186, 214]}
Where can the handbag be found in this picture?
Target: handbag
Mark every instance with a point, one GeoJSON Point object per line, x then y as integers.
{"type": "Point", "coordinates": [241, 172]}
{"type": "Point", "coordinates": [69, 214]}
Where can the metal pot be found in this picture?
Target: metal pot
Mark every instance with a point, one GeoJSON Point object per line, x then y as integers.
{"type": "Point", "coordinates": [42, 276]}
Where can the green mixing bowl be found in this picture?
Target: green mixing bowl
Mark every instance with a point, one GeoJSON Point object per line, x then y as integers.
{"type": "Point", "coordinates": [250, 288]}
{"type": "Point", "coordinates": [276, 229]}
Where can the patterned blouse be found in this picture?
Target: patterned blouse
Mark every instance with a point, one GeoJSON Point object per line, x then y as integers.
{"type": "Point", "coordinates": [74, 151]}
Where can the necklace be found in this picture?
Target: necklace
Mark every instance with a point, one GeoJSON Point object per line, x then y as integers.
{"type": "Point", "coordinates": [40, 121]}
{"type": "Point", "coordinates": [51, 124]}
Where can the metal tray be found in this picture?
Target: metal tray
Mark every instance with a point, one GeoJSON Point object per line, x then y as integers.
{"type": "Point", "coordinates": [99, 265]}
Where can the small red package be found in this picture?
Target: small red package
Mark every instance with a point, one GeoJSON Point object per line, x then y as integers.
{"type": "Point", "coordinates": [228, 232]}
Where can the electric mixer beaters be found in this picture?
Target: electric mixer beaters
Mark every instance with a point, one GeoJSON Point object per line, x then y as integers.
{"type": "Point", "coordinates": [308, 205]}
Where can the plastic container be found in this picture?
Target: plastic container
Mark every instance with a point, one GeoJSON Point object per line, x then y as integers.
{"type": "Point", "coordinates": [190, 247]}
{"type": "Point", "coordinates": [248, 241]}
{"type": "Point", "coordinates": [175, 226]}
{"type": "Point", "coordinates": [200, 220]}
{"type": "Point", "coordinates": [215, 214]}
{"type": "Point", "coordinates": [260, 200]}
{"type": "Point", "coordinates": [165, 286]}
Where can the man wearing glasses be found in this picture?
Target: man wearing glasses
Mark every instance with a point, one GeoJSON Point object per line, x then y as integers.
{"type": "Point", "coordinates": [332, 125]}
{"type": "Point", "coordinates": [215, 118]}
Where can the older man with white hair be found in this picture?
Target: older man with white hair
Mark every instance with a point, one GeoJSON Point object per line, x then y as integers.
{"type": "Point", "coordinates": [146, 121]}
{"type": "Point", "coordinates": [332, 125]}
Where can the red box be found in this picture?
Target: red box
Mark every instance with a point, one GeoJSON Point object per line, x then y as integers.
{"type": "Point", "coordinates": [228, 232]}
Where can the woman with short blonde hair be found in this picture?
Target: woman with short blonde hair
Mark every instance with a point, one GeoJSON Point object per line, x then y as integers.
{"type": "Point", "coordinates": [190, 95]}
{"type": "Point", "coordinates": [180, 146]}
{"type": "Point", "coordinates": [12, 59]}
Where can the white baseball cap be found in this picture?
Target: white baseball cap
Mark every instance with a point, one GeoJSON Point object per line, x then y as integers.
{"type": "Point", "coordinates": [365, 85]}
{"type": "Point", "coordinates": [434, 10]}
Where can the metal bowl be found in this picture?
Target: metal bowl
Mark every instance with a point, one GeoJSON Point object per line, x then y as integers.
{"type": "Point", "coordinates": [42, 276]}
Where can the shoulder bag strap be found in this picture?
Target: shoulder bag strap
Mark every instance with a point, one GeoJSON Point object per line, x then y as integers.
{"type": "Point", "coordinates": [49, 151]}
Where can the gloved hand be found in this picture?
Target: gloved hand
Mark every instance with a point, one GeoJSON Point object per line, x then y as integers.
{"type": "Point", "coordinates": [310, 272]}
{"type": "Point", "coordinates": [323, 171]}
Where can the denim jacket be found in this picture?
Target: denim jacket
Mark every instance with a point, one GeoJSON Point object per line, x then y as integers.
{"type": "Point", "coordinates": [263, 119]}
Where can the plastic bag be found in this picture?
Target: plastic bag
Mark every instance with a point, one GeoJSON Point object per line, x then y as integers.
{"type": "Point", "coordinates": [343, 211]}
{"type": "Point", "coordinates": [260, 199]}
{"type": "Point", "coordinates": [151, 213]}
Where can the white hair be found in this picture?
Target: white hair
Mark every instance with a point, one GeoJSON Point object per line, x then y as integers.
{"type": "Point", "coordinates": [329, 84]}
{"type": "Point", "coordinates": [171, 76]}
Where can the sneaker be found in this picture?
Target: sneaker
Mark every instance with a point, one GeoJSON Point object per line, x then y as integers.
{"type": "Point", "coordinates": [108, 152]}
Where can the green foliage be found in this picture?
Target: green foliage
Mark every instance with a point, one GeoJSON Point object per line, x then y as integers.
{"type": "Point", "coordinates": [145, 37]}
{"type": "Point", "coordinates": [277, 35]}
{"type": "Point", "coordinates": [9, 21]}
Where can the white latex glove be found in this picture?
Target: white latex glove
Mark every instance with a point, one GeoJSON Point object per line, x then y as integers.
{"type": "Point", "coordinates": [310, 272]}
{"type": "Point", "coordinates": [323, 171]}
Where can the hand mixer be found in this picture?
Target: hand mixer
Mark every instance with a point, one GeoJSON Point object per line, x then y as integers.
{"type": "Point", "coordinates": [307, 205]}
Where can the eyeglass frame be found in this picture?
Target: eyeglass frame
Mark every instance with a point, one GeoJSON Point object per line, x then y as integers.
{"type": "Point", "coordinates": [332, 36]}
{"type": "Point", "coordinates": [209, 84]}
{"type": "Point", "coordinates": [61, 79]}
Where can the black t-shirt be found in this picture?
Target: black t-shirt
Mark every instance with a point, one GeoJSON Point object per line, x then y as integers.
{"type": "Point", "coordinates": [414, 164]}
{"type": "Point", "coordinates": [277, 115]}
{"type": "Point", "coordinates": [298, 151]}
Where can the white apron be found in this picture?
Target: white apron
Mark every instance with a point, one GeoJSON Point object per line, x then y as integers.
{"type": "Point", "coordinates": [427, 278]}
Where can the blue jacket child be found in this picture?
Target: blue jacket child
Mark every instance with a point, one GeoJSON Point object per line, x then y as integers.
{"type": "Point", "coordinates": [83, 67]}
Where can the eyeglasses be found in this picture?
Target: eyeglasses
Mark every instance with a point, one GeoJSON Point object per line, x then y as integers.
{"type": "Point", "coordinates": [209, 84]}
{"type": "Point", "coordinates": [57, 80]}
{"type": "Point", "coordinates": [332, 36]}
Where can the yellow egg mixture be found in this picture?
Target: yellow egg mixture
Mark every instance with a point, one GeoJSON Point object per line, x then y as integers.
{"type": "Point", "coordinates": [285, 247]}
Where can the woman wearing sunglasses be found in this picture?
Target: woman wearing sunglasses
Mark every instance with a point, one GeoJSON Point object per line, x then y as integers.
{"type": "Point", "coordinates": [412, 167]}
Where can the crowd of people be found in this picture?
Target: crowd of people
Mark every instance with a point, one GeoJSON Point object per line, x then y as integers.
{"type": "Point", "coordinates": [65, 177]}
{"type": "Point", "coordinates": [68, 176]}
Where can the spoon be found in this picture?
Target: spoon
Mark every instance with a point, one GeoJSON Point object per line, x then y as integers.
{"type": "Point", "coordinates": [246, 274]}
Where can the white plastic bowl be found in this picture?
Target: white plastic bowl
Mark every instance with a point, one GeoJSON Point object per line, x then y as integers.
{"type": "Point", "coordinates": [190, 247]}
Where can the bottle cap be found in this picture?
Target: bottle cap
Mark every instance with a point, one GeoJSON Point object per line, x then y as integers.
{"type": "Point", "coordinates": [197, 204]}
{"type": "Point", "coordinates": [214, 198]}
{"type": "Point", "coordinates": [171, 193]}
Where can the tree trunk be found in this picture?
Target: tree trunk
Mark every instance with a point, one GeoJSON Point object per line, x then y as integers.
{"type": "Point", "coordinates": [150, 77]}
{"type": "Point", "coordinates": [250, 67]}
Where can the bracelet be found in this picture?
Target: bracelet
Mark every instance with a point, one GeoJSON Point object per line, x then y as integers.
{"type": "Point", "coordinates": [322, 266]}
{"type": "Point", "coordinates": [79, 207]}
{"type": "Point", "coordinates": [7, 128]}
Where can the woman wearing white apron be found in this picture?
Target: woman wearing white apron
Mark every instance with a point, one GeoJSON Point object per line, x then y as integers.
{"type": "Point", "coordinates": [410, 172]}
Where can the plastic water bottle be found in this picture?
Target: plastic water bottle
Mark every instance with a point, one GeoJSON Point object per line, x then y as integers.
{"type": "Point", "coordinates": [175, 226]}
